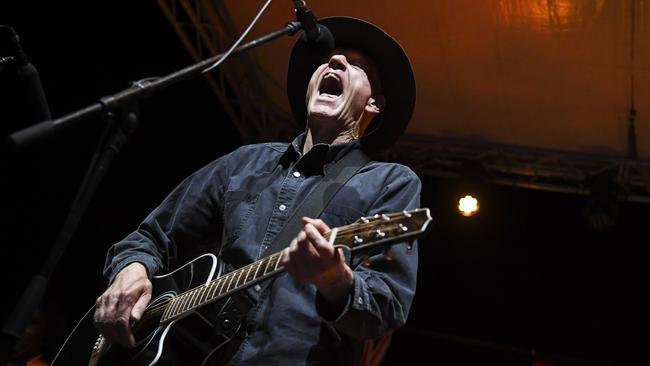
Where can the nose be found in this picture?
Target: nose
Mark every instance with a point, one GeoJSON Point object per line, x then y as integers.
{"type": "Point", "coordinates": [338, 62]}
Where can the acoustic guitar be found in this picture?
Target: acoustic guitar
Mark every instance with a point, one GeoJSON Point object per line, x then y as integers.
{"type": "Point", "coordinates": [193, 308]}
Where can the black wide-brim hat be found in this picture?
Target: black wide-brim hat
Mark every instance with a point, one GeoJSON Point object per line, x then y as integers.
{"type": "Point", "coordinates": [395, 74]}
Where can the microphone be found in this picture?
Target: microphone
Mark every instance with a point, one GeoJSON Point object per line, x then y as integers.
{"type": "Point", "coordinates": [317, 36]}
{"type": "Point", "coordinates": [27, 88]}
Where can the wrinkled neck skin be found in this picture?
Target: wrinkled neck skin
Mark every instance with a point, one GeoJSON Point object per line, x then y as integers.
{"type": "Point", "coordinates": [333, 132]}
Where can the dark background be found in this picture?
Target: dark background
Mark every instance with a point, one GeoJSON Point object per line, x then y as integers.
{"type": "Point", "coordinates": [527, 272]}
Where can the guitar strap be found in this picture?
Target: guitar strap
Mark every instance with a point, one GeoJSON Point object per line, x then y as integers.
{"type": "Point", "coordinates": [338, 174]}
{"type": "Point", "coordinates": [319, 197]}
{"type": "Point", "coordinates": [313, 205]}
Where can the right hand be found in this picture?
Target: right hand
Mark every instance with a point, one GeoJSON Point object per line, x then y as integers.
{"type": "Point", "coordinates": [124, 301]}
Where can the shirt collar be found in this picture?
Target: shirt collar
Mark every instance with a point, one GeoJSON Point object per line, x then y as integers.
{"type": "Point", "coordinates": [319, 158]}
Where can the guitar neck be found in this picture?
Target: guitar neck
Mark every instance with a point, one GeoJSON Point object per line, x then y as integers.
{"type": "Point", "coordinates": [223, 286]}
{"type": "Point", "coordinates": [366, 233]}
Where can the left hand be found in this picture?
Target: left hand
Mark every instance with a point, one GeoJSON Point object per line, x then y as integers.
{"type": "Point", "coordinates": [310, 259]}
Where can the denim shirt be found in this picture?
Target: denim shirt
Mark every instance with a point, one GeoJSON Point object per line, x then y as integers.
{"type": "Point", "coordinates": [240, 202]}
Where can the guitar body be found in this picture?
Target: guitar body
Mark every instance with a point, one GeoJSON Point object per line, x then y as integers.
{"type": "Point", "coordinates": [197, 336]}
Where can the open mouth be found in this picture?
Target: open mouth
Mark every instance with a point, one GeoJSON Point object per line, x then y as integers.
{"type": "Point", "coordinates": [330, 86]}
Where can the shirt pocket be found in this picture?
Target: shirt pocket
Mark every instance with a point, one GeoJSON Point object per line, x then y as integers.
{"type": "Point", "coordinates": [238, 207]}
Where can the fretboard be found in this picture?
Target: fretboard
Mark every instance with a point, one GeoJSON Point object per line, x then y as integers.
{"type": "Point", "coordinates": [223, 286]}
{"type": "Point", "coordinates": [364, 234]}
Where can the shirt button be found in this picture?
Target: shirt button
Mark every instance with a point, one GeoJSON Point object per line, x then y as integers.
{"type": "Point", "coordinates": [296, 174]}
{"type": "Point", "coordinates": [257, 288]}
{"type": "Point", "coordinates": [282, 207]}
{"type": "Point", "coordinates": [359, 300]}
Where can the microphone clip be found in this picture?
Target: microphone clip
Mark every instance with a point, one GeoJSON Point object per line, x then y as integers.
{"type": "Point", "coordinates": [307, 19]}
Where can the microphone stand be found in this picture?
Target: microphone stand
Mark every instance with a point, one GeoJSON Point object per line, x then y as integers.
{"type": "Point", "coordinates": [120, 112]}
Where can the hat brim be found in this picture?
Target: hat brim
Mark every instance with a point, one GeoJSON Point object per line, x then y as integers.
{"type": "Point", "coordinates": [395, 74]}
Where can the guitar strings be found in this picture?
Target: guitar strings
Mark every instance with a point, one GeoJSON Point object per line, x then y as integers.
{"type": "Point", "coordinates": [345, 232]}
{"type": "Point", "coordinates": [197, 288]}
{"type": "Point", "coordinates": [349, 233]}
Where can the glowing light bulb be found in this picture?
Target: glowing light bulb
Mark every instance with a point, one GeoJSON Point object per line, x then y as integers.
{"type": "Point", "coordinates": [468, 205]}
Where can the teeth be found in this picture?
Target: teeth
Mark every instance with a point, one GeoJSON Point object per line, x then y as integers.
{"type": "Point", "coordinates": [331, 75]}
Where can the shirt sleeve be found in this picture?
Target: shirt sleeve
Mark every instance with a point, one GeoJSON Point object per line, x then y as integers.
{"type": "Point", "coordinates": [190, 216]}
{"type": "Point", "coordinates": [382, 293]}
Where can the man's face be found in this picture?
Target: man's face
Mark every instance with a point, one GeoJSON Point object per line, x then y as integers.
{"type": "Point", "coordinates": [340, 90]}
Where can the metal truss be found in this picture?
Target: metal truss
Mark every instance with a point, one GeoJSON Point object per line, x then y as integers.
{"type": "Point", "coordinates": [548, 170]}
{"type": "Point", "coordinates": [205, 28]}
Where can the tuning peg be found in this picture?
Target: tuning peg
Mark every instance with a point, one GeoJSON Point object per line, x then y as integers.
{"type": "Point", "coordinates": [366, 260]}
{"type": "Point", "coordinates": [389, 254]}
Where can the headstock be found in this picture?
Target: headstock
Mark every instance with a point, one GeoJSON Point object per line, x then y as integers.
{"type": "Point", "coordinates": [368, 232]}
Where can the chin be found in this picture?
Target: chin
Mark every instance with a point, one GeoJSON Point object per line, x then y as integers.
{"type": "Point", "coordinates": [323, 112]}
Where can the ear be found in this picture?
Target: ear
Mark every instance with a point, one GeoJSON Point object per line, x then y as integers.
{"type": "Point", "coordinates": [375, 104]}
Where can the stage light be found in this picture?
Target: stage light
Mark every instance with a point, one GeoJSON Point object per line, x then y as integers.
{"type": "Point", "coordinates": [471, 185]}
{"type": "Point", "coordinates": [468, 205]}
